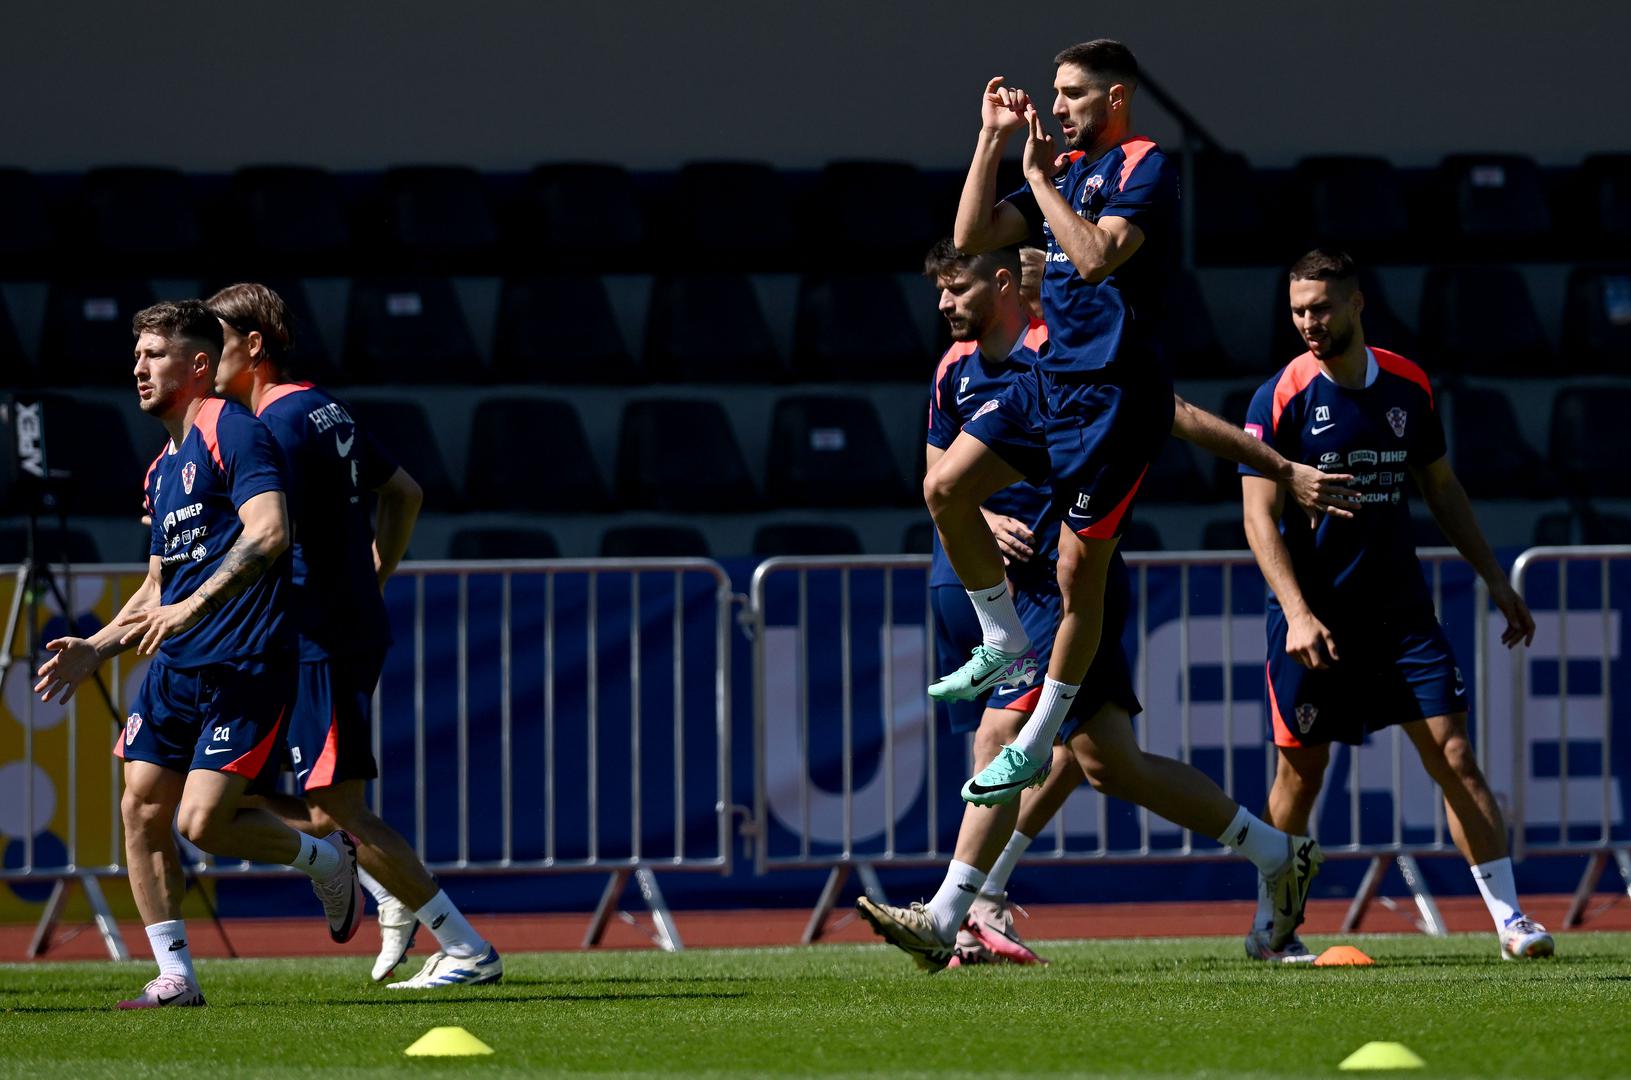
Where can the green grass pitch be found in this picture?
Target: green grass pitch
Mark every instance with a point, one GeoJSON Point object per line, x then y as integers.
{"type": "Point", "coordinates": [1160, 1008]}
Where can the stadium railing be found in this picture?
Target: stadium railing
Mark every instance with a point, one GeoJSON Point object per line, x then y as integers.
{"type": "Point", "coordinates": [493, 766]}
{"type": "Point", "coordinates": [820, 724]}
{"type": "Point", "coordinates": [1572, 728]}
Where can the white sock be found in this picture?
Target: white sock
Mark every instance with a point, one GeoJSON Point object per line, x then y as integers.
{"type": "Point", "coordinates": [317, 859]}
{"type": "Point", "coordinates": [950, 905]}
{"type": "Point", "coordinates": [169, 942]}
{"type": "Point", "coordinates": [1500, 891]}
{"type": "Point", "coordinates": [999, 622]}
{"type": "Point", "coordinates": [453, 931]}
{"type": "Point", "coordinates": [996, 882]}
{"type": "Point", "coordinates": [1036, 737]}
{"type": "Point", "coordinates": [1256, 839]}
{"type": "Point", "coordinates": [382, 896]}
{"type": "Point", "coordinates": [1264, 919]}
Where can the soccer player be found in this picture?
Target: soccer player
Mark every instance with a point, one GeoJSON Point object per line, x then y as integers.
{"type": "Point", "coordinates": [207, 723]}
{"type": "Point", "coordinates": [340, 565]}
{"type": "Point", "coordinates": [968, 919]}
{"type": "Point", "coordinates": [1353, 642]}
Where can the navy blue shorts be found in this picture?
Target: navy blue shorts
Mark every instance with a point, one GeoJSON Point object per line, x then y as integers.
{"type": "Point", "coordinates": [1102, 430]}
{"type": "Point", "coordinates": [1392, 672]}
{"type": "Point", "coordinates": [331, 730]}
{"type": "Point", "coordinates": [1011, 427]}
{"type": "Point", "coordinates": [228, 718]}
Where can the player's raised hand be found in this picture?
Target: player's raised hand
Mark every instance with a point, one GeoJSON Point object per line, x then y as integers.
{"type": "Point", "coordinates": [1520, 624]}
{"type": "Point", "coordinates": [150, 627]}
{"type": "Point", "coordinates": [1042, 161]}
{"type": "Point", "coordinates": [1002, 108]}
{"type": "Point", "coordinates": [1013, 537]}
{"type": "Point", "coordinates": [1309, 643]}
{"type": "Point", "coordinates": [72, 662]}
{"type": "Point", "coordinates": [1323, 493]}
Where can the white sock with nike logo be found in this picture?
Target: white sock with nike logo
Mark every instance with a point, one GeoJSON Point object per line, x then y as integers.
{"type": "Point", "coordinates": [997, 881]}
{"type": "Point", "coordinates": [1036, 737]}
{"type": "Point", "coordinates": [1499, 889]}
{"type": "Point", "coordinates": [317, 859]}
{"type": "Point", "coordinates": [169, 942]}
{"type": "Point", "coordinates": [1256, 839]}
{"type": "Point", "coordinates": [999, 622]}
{"type": "Point", "coordinates": [453, 931]}
{"type": "Point", "coordinates": [950, 905]}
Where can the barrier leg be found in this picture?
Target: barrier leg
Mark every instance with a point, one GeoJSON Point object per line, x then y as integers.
{"type": "Point", "coordinates": [104, 918]}
{"type": "Point", "coordinates": [48, 919]}
{"type": "Point", "coordinates": [100, 912]}
{"type": "Point", "coordinates": [1622, 859]}
{"type": "Point", "coordinates": [1431, 922]}
{"type": "Point", "coordinates": [668, 935]}
{"type": "Point", "coordinates": [829, 899]}
{"type": "Point", "coordinates": [1595, 865]}
{"type": "Point", "coordinates": [1368, 886]}
{"type": "Point", "coordinates": [603, 911]}
{"type": "Point", "coordinates": [870, 883]}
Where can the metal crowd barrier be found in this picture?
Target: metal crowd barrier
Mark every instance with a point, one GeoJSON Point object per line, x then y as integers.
{"type": "Point", "coordinates": [880, 798]}
{"type": "Point", "coordinates": [563, 673]}
{"type": "Point", "coordinates": [1584, 810]}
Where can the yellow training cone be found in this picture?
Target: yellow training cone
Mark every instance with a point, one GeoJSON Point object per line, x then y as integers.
{"type": "Point", "coordinates": [1382, 1055]}
{"type": "Point", "coordinates": [449, 1042]}
{"type": "Point", "coordinates": [1343, 956]}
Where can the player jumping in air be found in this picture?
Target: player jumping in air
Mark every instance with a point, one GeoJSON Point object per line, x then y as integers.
{"type": "Point", "coordinates": [1353, 642]}
{"type": "Point", "coordinates": [214, 611]}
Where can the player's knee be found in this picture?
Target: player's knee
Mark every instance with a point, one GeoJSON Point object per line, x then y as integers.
{"type": "Point", "coordinates": [199, 824]}
{"type": "Point", "coordinates": [339, 807]}
{"type": "Point", "coordinates": [142, 816]}
{"type": "Point", "coordinates": [939, 490]}
{"type": "Point", "coordinates": [1458, 762]}
{"type": "Point", "coordinates": [1106, 780]}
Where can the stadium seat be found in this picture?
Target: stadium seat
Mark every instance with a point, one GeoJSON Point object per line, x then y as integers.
{"type": "Point", "coordinates": [830, 450]}
{"type": "Point", "coordinates": [1139, 535]}
{"type": "Point", "coordinates": [1225, 534]}
{"type": "Point", "coordinates": [805, 538]}
{"type": "Point", "coordinates": [1607, 201]}
{"type": "Point", "coordinates": [79, 546]}
{"type": "Point", "coordinates": [438, 218]}
{"type": "Point", "coordinates": [1487, 448]}
{"type": "Point", "coordinates": [856, 327]}
{"type": "Point", "coordinates": [560, 329]}
{"type": "Point", "coordinates": [1597, 321]}
{"type": "Point", "coordinates": [1496, 203]}
{"type": "Point", "coordinates": [1231, 225]}
{"type": "Point", "coordinates": [503, 476]}
{"type": "Point", "coordinates": [15, 370]}
{"type": "Point", "coordinates": [27, 246]}
{"type": "Point", "coordinates": [1174, 477]}
{"type": "Point", "coordinates": [918, 538]}
{"type": "Point", "coordinates": [653, 542]}
{"type": "Point", "coordinates": [503, 543]}
{"type": "Point", "coordinates": [1585, 524]}
{"type": "Point", "coordinates": [733, 215]}
{"type": "Point", "coordinates": [708, 327]}
{"type": "Point", "coordinates": [1480, 320]}
{"type": "Point", "coordinates": [880, 215]}
{"type": "Point", "coordinates": [682, 456]}
{"type": "Point", "coordinates": [1190, 340]}
{"type": "Point", "coordinates": [401, 427]}
{"type": "Point", "coordinates": [409, 329]}
{"type": "Point", "coordinates": [1591, 440]}
{"type": "Point", "coordinates": [142, 218]}
{"type": "Point", "coordinates": [290, 219]}
{"type": "Point", "coordinates": [1355, 203]}
{"type": "Point", "coordinates": [86, 340]}
{"type": "Point", "coordinates": [1383, 327]}
{"type": "Point", "coordinates": [581, 216]}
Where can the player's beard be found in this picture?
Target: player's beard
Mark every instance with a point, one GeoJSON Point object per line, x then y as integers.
{"type": "Point", "coordinates": [1334, 345]}
{"type": "Point", "coordinates": [970, 328]}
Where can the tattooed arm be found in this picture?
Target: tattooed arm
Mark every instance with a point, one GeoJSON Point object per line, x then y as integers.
{"type": "Point", "coordinates": [265, 536]}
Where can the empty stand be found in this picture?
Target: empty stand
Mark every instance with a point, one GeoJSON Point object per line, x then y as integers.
{"type": "Point", "coordinates": [1139, 535]}
{"type": "Point", "coordinates": [1356, 203]}
{"type": "Point", "coordinates": [439, 217]}
{"type": "Point", "coordinates": [1606, 179]}
{"type": "Point", "coordinates": [732, 215]}
{"type": "Point", "coordinates": [1189, 338]}
{"type": "Point", "coordinates": [653, 542]}
{"type": "Point", "coordinates": [1231, 223]}
{"type": "Point", "coordinates": [86, 340]}
{"type": "Point", "coordinates": [53, 545]}
{"type": "Point", "coordinates": [403, 430]}
{"type": "Point", "coordinates": [682, 456]}
{"type": "Point", "coordinates": [1496, 203]}
{"type": "Point", "coordinates": [531, 454]}
{"type": "Point", "coordinates": [856, 327]}
{"type": "Point", "coordinates": [15, 370]}
{"type": "Point", "coordinates": [500, 542]}
{"type": "Point", "coordinates": [583, 216]}
{"type": "Point", "coordinates": [290, 219]}
{"type": "Point", "coordinates": [918, 538]}
{"type": "Point", "coordinates": [1225, 534]}
{"type": "Point", "coordinates": [1488, 450]}
{"type": "Point", "coordinates": [1591, 441]}
{"type": "Point", "coordinates": [142, 218]}
{"type": "Point", "coordinates": [830, 450]}
{"type": "Point", "coordinates": [409, 329]}
{"type": "Point", "coordinates": [1174, 477]}
{"type": "Point", "coordinates": [708, 327]}
{"type": "Point", "coordinates": [880, 215]}
{"type": "Point", "coordinates": [26, 242]}
{"type": "Point", "coordinates": [1597, 320]}
{"type": "Point", "coordinates": [805, 538]}
{"type": "Point", "coordinates": [1584, 524]}
{"type": "Point", "coordinates": [1480, 320]}
{"type": "Point", "coordinates": [560, 329]}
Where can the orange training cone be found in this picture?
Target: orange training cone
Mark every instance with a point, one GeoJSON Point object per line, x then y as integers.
{"type": "Point", "coordinates": [1343, 956]}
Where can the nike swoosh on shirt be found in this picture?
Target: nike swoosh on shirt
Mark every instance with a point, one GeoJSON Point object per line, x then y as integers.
{"type": "Point", "coordinates": [1321, 430]}
{"type": "Point", "coordinates": [344, 445]}
{"type": "Point", "coordinates": [965, 397]}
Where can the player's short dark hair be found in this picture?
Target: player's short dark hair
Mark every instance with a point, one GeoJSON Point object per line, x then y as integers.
{"type": "Point", "coordinates": [250, 306]}
{"type": "Point", "coordinates": [181, 319]}
{"type": "Point", "coordinates": [1110, 60]}
{"type": "Point", "coordinates": [945, 258]}
{"type": "Point", "coordinates": [1325, 264]}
